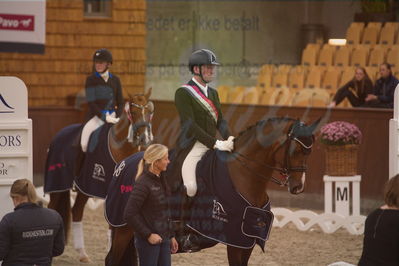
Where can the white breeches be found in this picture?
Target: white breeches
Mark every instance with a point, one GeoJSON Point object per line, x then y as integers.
{"type": "Point", "coordinates": [90, 126]}
{"type": "Point", "coordinates": [189, 167]}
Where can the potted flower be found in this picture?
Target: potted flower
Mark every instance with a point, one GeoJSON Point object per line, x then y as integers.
{"type": "Point", "coordinates": [341, 140]}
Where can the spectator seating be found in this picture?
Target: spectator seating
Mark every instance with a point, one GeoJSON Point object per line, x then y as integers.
{"type": "Point", "coordinates": [280, 80]}
{"type": "Point", "coordinates": [313, 79]}
{"type": "Point", "coordinates": [387, 35]}
{"type": "Point", "coordinates": [223, 92]}
{"type": "Point", "coordinates": [370, 35]}
{"type": "Point", "coordinates": [377, 56]}
{"type": "Point", "coordinates": [320, 98]}
{"type": "Point", "coordinates": [331, 79]}
{"type": "Point", "coordinates": [281, 96]}
{"type": "Point", "coordinates": [342, 56]}
{"type": "Point", "coordinates": [309, 54]}
{"type": "Point", "coordinates": [296, 80]}
{"type": "Point", "coordinates": [251, 95]}
{"type": "Point", "coordinates": [354, 33]}
{"type": "Point", "coordinates": [323, 69]}
{"type": "Point", "coordinates": [264, 80]}
{"type": "Point", "coordinates": [393, 56]}
{"type": "Point", "coordinates": [359, 56]}
{"type": "Point", "coordinates": [236, 95]}
{"type": "Point", "coordinates": [302, 98]}
{"type": "Point", "coordinates": [326, 55]}
{"type": "Point", "coordinates": [376, 25]}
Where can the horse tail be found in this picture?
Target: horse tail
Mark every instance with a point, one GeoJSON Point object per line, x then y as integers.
{"type": "Point", "coordinates": [60, 202]}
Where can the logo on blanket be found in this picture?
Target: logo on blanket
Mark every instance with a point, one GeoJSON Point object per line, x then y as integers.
{"type": "Point", "coordinates": [218, 212]}
{"type": "Point", "coordinates": [99, 172]}
{"type": "Point", "coordinates": [119, 169]}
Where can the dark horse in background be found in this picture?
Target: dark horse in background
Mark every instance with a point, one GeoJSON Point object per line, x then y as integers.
{"type": "Point", "coordinates": [273, 149]}
{"type": "Point", "coordinates": [129, 135]}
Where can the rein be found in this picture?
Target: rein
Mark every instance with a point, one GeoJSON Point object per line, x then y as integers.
{"type": "Point", "coordinates": [134, 126]}
{"type": "Point", "coordinates": [285, 170]}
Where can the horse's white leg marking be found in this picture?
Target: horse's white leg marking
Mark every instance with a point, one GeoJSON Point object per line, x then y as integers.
{"type": "Point", "coordinates": [109, 237]}
{"type": "Point", "coordinates": [78, 241]}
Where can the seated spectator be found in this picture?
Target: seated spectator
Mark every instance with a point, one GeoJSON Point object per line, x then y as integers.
{"type": "Point", "coordinates": [356, 90]}
{"type": "Point", "coordinates": [384, 89]}
{"type": "Point", "coordinates": [381, 232]}
{"type": "Point", "coordinates": [30, 235]}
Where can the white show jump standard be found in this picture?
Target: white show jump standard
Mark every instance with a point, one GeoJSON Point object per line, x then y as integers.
{"type": "Point", "coordinates": [394, 137]}
{"type": "Point", "coordinates": [15, 138]}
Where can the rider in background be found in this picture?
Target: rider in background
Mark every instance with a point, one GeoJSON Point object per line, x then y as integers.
{"type": "Point", "coordinates": [105, 100]}
{"type": "Point", "coordinates": [381, 230]}
{"type": "Point", "coordinates": [103, 94]}
{"type": "Point", "coordinates": [147, 210]}
{"type": "Point", "coordinates": [31, 235]}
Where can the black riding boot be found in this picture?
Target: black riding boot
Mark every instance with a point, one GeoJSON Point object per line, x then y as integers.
{"type": "Point", "coordinates": [188, 240]}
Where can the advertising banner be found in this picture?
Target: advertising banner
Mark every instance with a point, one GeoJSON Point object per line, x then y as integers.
{"type": "Point", "coordinates": [22, 26]}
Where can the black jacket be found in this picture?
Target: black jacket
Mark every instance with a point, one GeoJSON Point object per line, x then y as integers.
{"type": "Point", "coordinates": [196, 125]}
{"type": "Point", "coordinates": [147, 210]}
{"type": "Point", "coordinates": [384, 89]}
{"type": "Point", "coordinates": [31, 235]}
{"type": "Point", "coordinates": [196, 122]}
{"type": "Point", "coordinates": [355, 91]}
{"type": "Point", "coordinates": [102, 95]}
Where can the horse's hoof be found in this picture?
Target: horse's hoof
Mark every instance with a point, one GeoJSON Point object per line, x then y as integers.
{"type": "Point", "coordinates": [85, 259]}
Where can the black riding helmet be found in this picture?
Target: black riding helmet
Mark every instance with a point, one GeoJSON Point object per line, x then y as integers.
{"type": "Point", "coordinates": [102, 55]}
{"type": "Point", "coordinates": [201, 57]}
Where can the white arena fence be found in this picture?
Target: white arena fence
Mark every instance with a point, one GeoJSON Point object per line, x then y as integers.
{"type": "Point", "coordinates": [304, 220]}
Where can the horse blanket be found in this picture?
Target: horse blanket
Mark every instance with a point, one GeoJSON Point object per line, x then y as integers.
{"type": "Point", "coordinates": [98, 166]}
{"type": "Point", "coordinates": [61, 156]}
{"type": "Point", "coordinates": [220, 213]}
{"type": "Point", "coordinates": [119, 189]}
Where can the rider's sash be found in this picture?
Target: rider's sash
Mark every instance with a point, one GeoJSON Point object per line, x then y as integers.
{"type": "Point", "coordinates": [202, 100]}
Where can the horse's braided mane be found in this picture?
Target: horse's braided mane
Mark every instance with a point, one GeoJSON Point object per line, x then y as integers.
{"type": "Point", "coordinates": [268, 120]}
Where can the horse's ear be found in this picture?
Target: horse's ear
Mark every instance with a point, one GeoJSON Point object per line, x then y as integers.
{"type": "Point", "coordinates": [130, 96]}
{"type": "Point", "coordinates": [314, 125]}
{"type": "Point", "coordinates": [148, 94]}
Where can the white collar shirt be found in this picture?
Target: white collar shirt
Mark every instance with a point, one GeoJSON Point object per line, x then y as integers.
{"type": "Point", "coordinates": [204, 89]}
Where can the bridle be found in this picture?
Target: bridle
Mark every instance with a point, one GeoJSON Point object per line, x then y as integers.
{"type": "Point", "coordinates": [286, 169]}
{"type": "Point", "coordinates": [133, 135]}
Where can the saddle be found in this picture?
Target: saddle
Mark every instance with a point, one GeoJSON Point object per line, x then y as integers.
{"type": "Point", "coordinates": [98, 165]}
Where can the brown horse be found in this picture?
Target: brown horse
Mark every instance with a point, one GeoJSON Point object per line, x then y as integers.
{"type": "Point", "coordinates": [129, 135]}
{"type": "Point", "coordinates": [273, 146]}
{"type": "Point", "coordinates": [276, 145]}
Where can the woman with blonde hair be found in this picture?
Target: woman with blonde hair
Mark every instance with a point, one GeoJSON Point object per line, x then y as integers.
{"type": "Point", "coordinates": [381, 230]}
{"type": "Point", "coordinates": [355, 90]}
{"type": "Point", "coordinates": [147, 210]}
{"type": "Point", "coordinates": [31, 235]}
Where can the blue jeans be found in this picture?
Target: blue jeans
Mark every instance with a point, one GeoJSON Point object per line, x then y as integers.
{"type": "Point", "coordinates": [153, 255]}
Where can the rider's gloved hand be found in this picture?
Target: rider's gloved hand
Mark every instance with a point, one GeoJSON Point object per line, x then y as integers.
{"type": "Point", "coordinates": [225, 145]}
{"type": "Point", "coordinates": [109, 118]}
